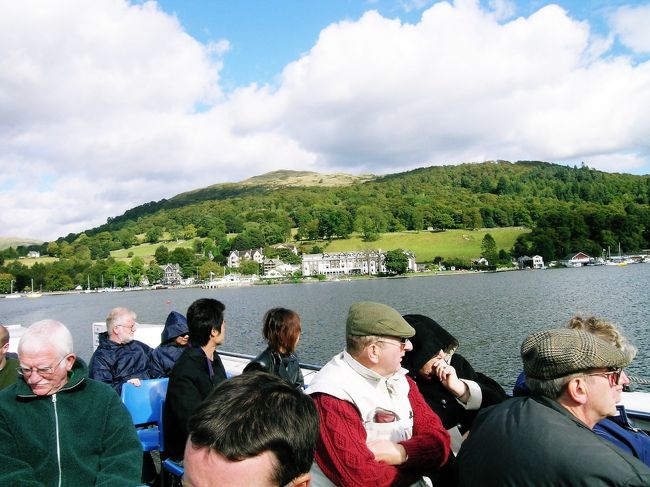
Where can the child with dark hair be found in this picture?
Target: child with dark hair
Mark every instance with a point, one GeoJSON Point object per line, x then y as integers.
{"type": "Point", "coordinates": [282, 332]}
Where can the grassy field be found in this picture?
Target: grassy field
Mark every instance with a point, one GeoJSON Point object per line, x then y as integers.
{"type": "Point", "coordinates": [30, 261]}
{"type": "Point", "coordinates": [147, 251]}
{"type": "Point", "coordinates": [462, 244]}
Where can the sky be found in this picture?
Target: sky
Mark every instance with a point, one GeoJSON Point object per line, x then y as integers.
{"type": "Point", "coordinates": [109, 104]}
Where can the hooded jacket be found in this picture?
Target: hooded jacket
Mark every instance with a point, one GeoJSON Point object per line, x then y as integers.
{"type": "Point", "coordinates": [115, 363]}
{"type": "Point", "coordinates": [166, 354]}
{"type": "Point", "coordinates": [82, 435]}
{"type": "Point", "coordinates": [429, 339]}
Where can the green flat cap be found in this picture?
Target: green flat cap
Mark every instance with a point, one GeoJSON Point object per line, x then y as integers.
{"type": "Point", "coordinates": [557, 353]}
{"type": "Point", "coordinates": [366, 318]}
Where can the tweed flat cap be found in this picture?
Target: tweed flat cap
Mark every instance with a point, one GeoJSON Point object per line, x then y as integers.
{"type": "Point", "coordinates": [366, 318]}
{"type": "Point", "coordinates": [557, 353]}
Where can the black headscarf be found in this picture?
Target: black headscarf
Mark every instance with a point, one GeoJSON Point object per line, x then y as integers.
{"type": "Point", "coordinates": [429, 339]}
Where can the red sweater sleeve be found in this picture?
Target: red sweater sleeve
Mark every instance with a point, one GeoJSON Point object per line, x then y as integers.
{"type": "Point", "coordinates": [429, 447]}
{"type": "Point", "coordinates": [342, 454]}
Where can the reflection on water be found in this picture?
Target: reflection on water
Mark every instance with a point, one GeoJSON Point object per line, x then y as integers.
{"type": "Point", "coordinates": [489, 314]}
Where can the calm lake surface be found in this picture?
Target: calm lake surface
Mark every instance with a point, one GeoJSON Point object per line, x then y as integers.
{"type": "Point", "coordinates": [490, 314]}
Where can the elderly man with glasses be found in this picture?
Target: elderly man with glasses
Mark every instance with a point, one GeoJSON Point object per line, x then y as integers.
{"type": "Point", "coordinates": [547, 439]}
{"type": "Point", "coordinates": [375, 427]}
{"type": "Point", "coordinates": [57, 427]}
{"type": "Point", "coordinates": [119, 358]}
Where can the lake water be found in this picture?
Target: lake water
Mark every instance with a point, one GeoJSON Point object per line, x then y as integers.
{"type": "Point", "coordinates": [489, 313]}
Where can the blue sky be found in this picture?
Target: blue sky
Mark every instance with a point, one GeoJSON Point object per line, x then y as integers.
{"type": "Point", "coordinates": [266, 35]}
{"type": "Point", "coordinates": [109, 104]}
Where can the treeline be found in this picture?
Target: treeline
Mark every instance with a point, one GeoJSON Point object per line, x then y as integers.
{"type": "Point", "coordinates": [570, 209]}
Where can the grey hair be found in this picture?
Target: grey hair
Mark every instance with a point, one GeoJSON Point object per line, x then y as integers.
{"type": "Point", "coordinates": [551, 388]}
{"type": "Point", "coordinates": [118, 316]}
{"type": "Point", "coordinates": [354, 345]}
{"type": "Point", "coordinates": [46, 333]}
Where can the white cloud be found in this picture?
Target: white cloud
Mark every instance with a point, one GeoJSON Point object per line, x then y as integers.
{"type": "Point", "coordinates": [105, 105]}
{"type": "Point", "coordinates": [632, 25]}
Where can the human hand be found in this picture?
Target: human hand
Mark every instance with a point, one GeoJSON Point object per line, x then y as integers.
{"type": "Point", "coordinates": [135, 381]}
{"type": "Point", "coordinates": [447, 376]}
{"type": "Point", "coordinates": [388, 452]}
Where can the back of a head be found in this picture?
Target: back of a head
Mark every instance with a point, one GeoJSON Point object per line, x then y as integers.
{"type": "Point", "coordinates": [258, 412]}
{"type": "Point", "coordinates": [46, 333]}
{"type": "Point", "coordinates": [203, 316]}
{"type": "Point", "coordinates": [281, 329]}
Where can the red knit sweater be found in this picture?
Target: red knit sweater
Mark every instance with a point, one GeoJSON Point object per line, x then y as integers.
{"type": "Point", "coordinates": [342, 454]}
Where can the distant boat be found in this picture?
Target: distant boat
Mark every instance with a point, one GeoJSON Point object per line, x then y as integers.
{"type": "Point", "coordinates": [11, 294]}
{"type": "Point", "coordinates": [33, 294]}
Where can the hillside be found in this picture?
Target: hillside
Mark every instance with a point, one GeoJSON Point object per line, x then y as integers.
{"type": "Point", "coordinates": [529, 207]}
{"type": "Point", "coordinates": [6, 242]}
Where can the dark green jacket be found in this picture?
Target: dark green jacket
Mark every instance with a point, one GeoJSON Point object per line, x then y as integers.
{"type": "Point", "coordinates": [535, 442]}
{"type": "Point", "coordinates": [80, 436]}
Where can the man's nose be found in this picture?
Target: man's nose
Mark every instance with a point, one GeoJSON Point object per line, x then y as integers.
{"type": "Point", "coordinates": [408, 346]}
{"type": "Point", "coordinates": [624, 380]}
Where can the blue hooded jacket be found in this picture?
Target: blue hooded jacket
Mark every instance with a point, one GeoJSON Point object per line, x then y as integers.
{"type": "Point", "coordinates": [167, 353]}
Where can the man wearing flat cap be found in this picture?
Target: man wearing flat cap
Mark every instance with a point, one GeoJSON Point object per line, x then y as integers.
{"type": "Point", "coordinates": [375, 427]}
{"type": "Point", "coordinates": [546, 439]}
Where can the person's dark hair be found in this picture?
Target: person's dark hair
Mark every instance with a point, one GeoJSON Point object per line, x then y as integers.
{"type": "Point", "coordinates": [281, 329]}
{"type": "Point", "coordinates": [203, 316]}
{"type": "Point", "coordinates": [254, 413]}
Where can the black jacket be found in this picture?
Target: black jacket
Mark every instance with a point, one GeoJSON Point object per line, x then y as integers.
{"type": "Point", "coordinates": [189, 383]}
{"type": "Point", "coordinates": [285, 366]}
{"type": "Point", "coordinates": [429, 339]}
{"type": "Point", "coordinates": [534, 441]}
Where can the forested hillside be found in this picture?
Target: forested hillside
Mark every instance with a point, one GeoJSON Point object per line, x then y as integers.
{"type": "Point", "coordinates": [569, 209]}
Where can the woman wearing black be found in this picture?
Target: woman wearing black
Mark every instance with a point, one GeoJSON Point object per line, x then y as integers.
{"type": "Point", "coordinates": [447, 381]}
{"type": "Point", "coordinates": [282, 332]}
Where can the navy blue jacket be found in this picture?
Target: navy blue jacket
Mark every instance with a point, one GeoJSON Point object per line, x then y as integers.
{"type": "Point", "coordinates": [114, 363]}
{"type": "Point", "coordinates": [168, 352]}
{"type": "Point", "coordinates": [623, 435]}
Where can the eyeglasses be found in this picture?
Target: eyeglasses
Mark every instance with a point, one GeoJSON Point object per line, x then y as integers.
{"type": "Point", "coordinates": [42, 371]}
{"type": "Point", "coordinates": [129, 327]}
{"type": "Point", "coordinates": [400, 342]}
{"type": "Point", "coordinates": [613, 376]}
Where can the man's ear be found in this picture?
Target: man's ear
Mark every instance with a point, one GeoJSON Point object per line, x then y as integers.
{"type": "Point", "coordinates": [301, 481]}
{"type": "Point", "coordinates": [576, 389]}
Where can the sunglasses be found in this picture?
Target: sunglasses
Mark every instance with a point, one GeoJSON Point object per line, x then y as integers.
{"type": "Point", "coordinates": [613, 376]}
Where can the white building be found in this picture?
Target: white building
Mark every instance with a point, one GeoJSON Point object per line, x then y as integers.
{"type": "Point", "coordinates": [237, 256]}
{"type": "Point", "coordinates": [369, 262]}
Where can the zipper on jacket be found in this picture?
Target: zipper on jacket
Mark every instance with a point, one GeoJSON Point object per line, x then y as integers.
{"type": "Point", "coordinates": [58, 445]}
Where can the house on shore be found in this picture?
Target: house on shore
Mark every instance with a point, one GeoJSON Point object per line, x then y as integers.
{"type": "Point", "coordinates": [534, 262]}
{"type": "Point", "coordinates": [172, 275]}
{"type": "Point", "coordinates": [236, 257]}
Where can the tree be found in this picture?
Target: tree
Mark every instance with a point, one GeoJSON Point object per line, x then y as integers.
{"type": "Point", "coordinates": [161, 255]}
{"type": "Point", "coordinates": [489, 249]}
{"type": "Point", "coordinates": [396, 262]}
{"type": "Point", "coordinates": [249, 267]}
{"type": "Point", "coordinates": [153, 235]}
{"type": "Point", "coordinates": [154, 273]}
